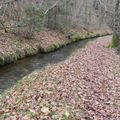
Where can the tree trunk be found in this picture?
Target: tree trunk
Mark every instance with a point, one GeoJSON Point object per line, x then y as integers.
{"type": "Point", "coordinates": [116, 33]}
{"type": "Point", "coordinates": [117, 6]}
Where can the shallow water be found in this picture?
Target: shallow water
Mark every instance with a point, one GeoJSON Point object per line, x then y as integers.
{"type": "Point", "coordinates": [12, 73]}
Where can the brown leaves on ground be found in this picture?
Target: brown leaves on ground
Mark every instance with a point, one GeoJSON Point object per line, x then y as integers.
{"type": "Point", "coordinates": [13, 47]}
{"type": "Point", "coordinates": [50, 38]}
{"type": "Point", "coordinates": [84, 87]}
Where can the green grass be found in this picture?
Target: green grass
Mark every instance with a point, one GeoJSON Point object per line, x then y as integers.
{"type": "Point", "coordinates": [1, 61]}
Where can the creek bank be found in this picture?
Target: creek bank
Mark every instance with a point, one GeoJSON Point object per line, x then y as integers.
{"type": "Point", "coordinates": [13, 48]}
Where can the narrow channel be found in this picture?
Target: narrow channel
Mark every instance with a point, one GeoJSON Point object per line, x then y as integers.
{"type": "Point", "coordinates": [12, 73]}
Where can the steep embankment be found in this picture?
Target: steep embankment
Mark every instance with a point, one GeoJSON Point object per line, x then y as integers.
{"type": "Point", "coordinates": [84, 87]}
{"type": "Point", "coordinates": [13, 48]}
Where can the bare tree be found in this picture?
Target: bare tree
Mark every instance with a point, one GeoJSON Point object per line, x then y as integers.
{"type": "Point", "coordinates": [27, 16]}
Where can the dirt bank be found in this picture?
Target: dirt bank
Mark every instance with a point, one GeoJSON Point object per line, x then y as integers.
{"type": "Point", "coordinates": [13, 48]}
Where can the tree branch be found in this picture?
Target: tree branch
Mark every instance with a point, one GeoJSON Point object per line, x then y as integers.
{"type": "Point", "coordinates": [51, 7]}
{"type": "Point", "coordinates": [105, 7]}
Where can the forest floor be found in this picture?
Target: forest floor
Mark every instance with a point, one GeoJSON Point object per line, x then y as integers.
{"type": "Point", "coordinates": [86, 86]}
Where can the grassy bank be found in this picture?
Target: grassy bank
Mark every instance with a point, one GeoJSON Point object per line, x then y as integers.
{"type": "Point", "coordinates": [73, 38]}
{"type": "Point", "coordinates": [13, 48]}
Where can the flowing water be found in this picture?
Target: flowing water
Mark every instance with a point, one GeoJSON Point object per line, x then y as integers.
{"type": "Point", "coordinates": [12, 73]}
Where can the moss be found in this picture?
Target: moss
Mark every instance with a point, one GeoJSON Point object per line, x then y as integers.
{"type": "Point", "coordinates": [51, 48]}
{"type": "Point", "coordinates": [31, 51]}
{"type": "Point", "coordinates": [74, 37]}
{"type": "Point", "coordinates": [6, 59]}
{"type": "Point", "coordinates": [57, 46]}
{"type": "Point", "coordinates": [83, 36]}
{"type": "Point", "coordinates": [94, 34]}
{"type": "Point", "coordinates": [2, 61]}
{"type": "Point", "coordinates": [54, 47]}
{"type": "Point", "coordinates": [48, 49]}
{"type": "Point", "coordinates": [91, 35]}
{"type": "Point", "coordinates": [115, 40]}
{"type": "Point", "coordinates": [77, 37]}
{"type": "Point", "coordinates": [18, 55]}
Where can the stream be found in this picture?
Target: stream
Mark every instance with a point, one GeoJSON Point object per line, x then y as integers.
{"type": "Point", "coordinates": [10, 74]}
